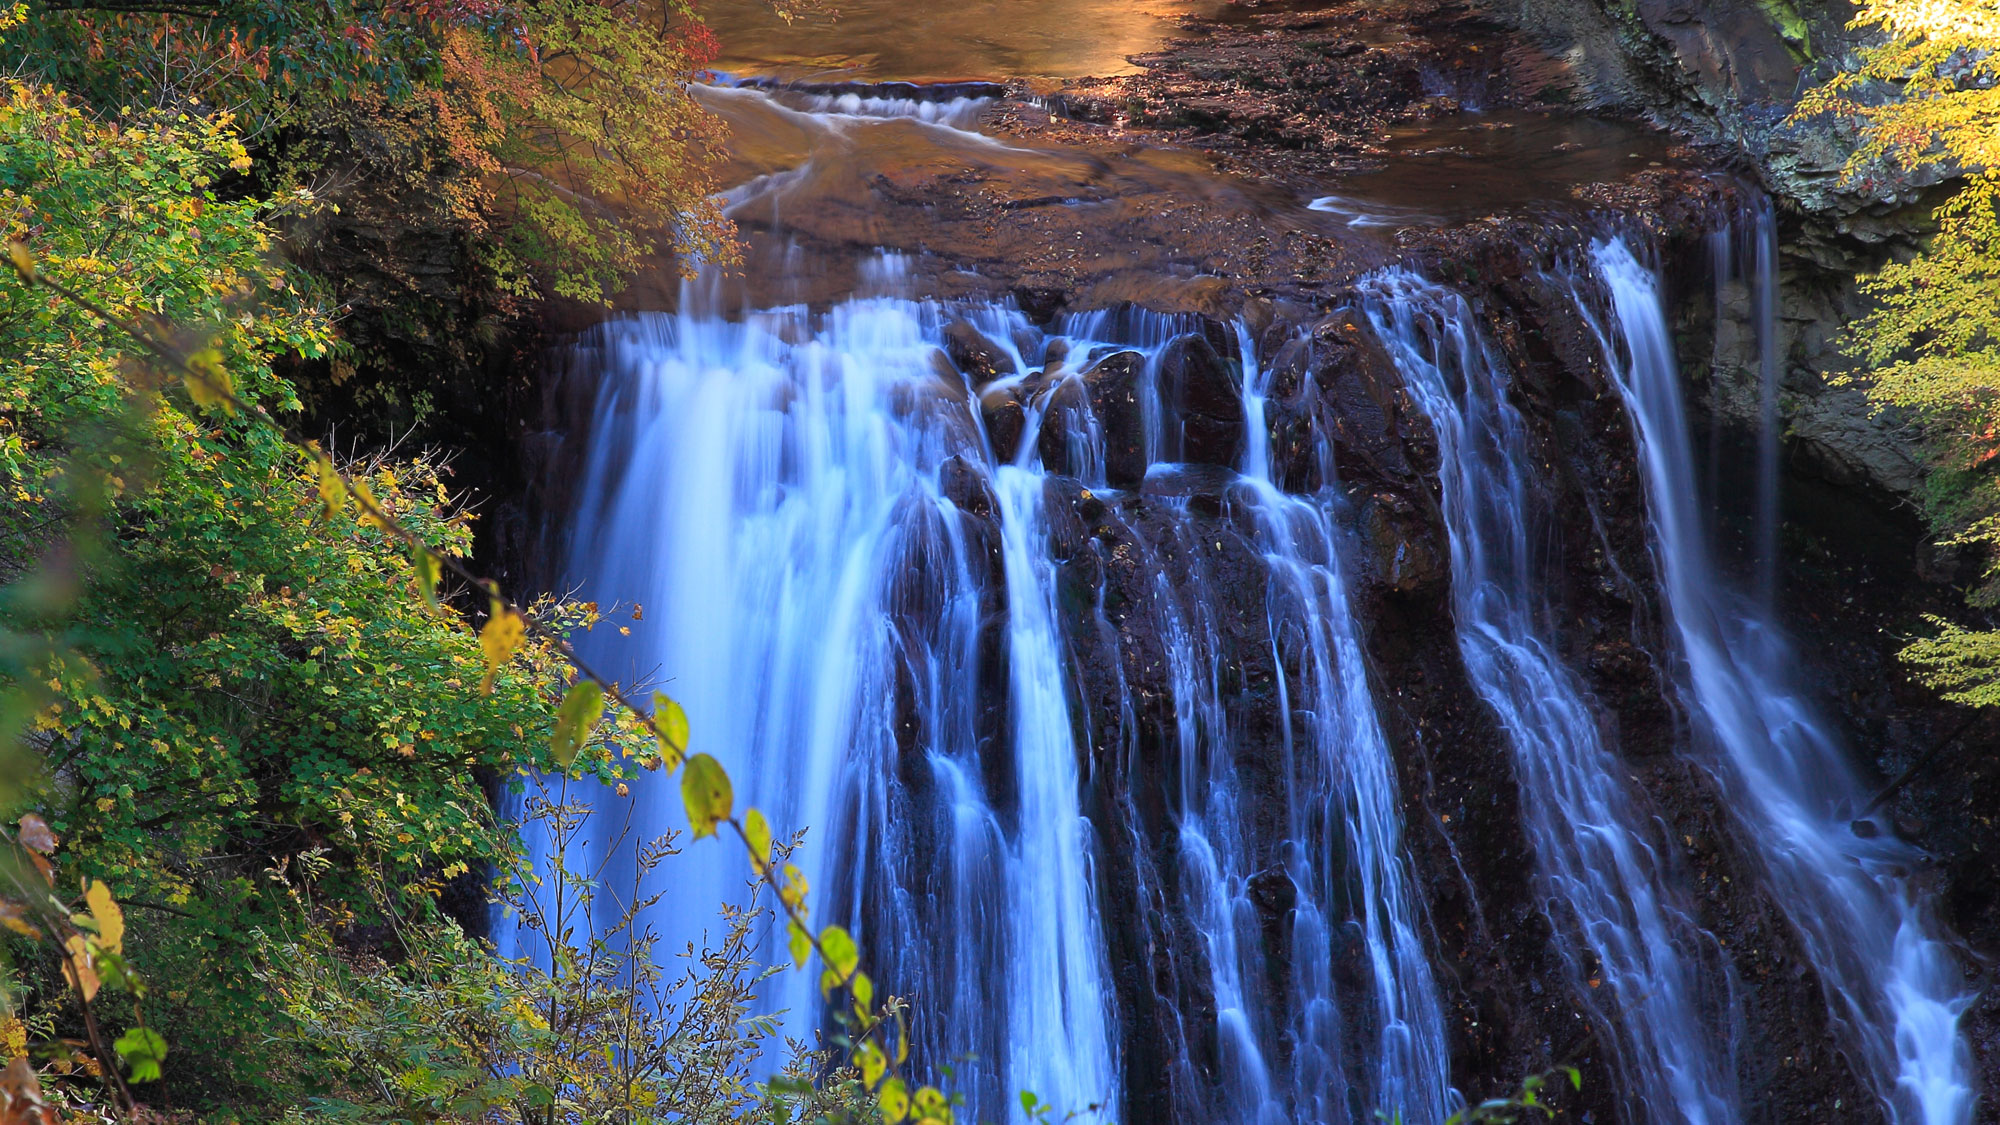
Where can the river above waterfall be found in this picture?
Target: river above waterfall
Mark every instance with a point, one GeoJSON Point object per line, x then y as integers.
{"type": "Point", "coordinates": [1182, 540]}
{"type": "Point", "coordinates": [874, 40]}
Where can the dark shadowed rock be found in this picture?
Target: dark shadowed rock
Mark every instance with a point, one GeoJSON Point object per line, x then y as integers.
{"type": "Point", "coordinates": [1115, 389]}
{"type": "Point", "coordinates": [1065, 433]}
{"type": "Point", "coordinates": [1005, 419]}
{"type": "Point", "coordinates": [979, 358]}
{"type": "Point", "coordinates": [1202, 395]}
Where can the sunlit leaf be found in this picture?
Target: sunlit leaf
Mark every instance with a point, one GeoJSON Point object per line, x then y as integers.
{"type": "Point", "coordinates": [758, 834]}
{"type": "Point", "coordinates": [332, 490]}
{"type": "Point", "coordinates": [371, 512]}
{"type": "Point", "coordinates": [82, 974]}
{"type": "Point", "coordinates": [863, 989]}
{"type": "Point", "coordinates": [800, 942]}
{"type": "Point", "coordinates": [110, 919]}
{"type": "Point", "coordinates": [23, 259]}
{"type": "Point", "coordinates": [429, 570]}
{"type": "Point", "coordinates": [894, 1100]}
{"type": "Point", "coordinates": [871, 1063]}
{"type": "Point", "coordinates": [706, 792]}
{"type": "Point", "coordinates": [502, 637]}
{"type": "Point", "coordinates": [208, 381]}
{"type": "Point", "coordinates": [837, 946]}
{"type": "Point", "coordinates": [671, 723]}
{"type": "Point", "coordinates": [143, 1050]}
{"type": "Point", "coordinates": [575, 720]}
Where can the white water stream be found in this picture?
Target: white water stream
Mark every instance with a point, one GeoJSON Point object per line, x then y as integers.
{"type": "Point", "coordinates": [1894, 988]}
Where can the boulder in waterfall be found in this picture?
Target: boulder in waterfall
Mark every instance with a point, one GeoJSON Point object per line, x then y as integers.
{"type": "Point", "coordinates": [1115, 384]}
{"type": "Point", "coordinates": [1065, 433]}
{"type": "Point", "coordinates": [1202, 396]}
{"type": "Point", "coordinates": [1006, 417]}
{"type": "Point", "coordinates": [979, 358]}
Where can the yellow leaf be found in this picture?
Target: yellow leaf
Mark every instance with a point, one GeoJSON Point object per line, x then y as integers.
{"type": "Point", "coordinates": [842, 955]}
{"type": "Point", "coordinates": [110, 919]}
{"type": "Point", "coordinates": [575, 720]}
{"type": "Point", "coordinates": [332, 490]}
{"type": "Point", "coordinates": [894, 1100]}
{"type": "Point", "coordinates": [429, 569]}
{"type": "Point", "coordinates": [208, 381]}
{"type": "Point", "coordinates": [23, 259]}
{"type": "Point", "coordinates": [706, 791]}
{"type": "Point", "coordinates": [670, 725]}
{"type": "Point", "coordinates": [370, 507]}
{"type": "Point", "coordinates": [502, 637]}
{"type": "Point", "coordinates": [83, 975]}
{"type": "Point", "coordinates": [869, 1059]}
{"type": "Point", "coordinates": [758, 832]}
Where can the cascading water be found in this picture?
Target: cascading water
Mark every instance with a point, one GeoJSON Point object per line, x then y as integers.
{"type": "Point", "coordinates": [768, 489]}
{"type": "Point", "coordinates": [1894, 988]}
{"type": "Point", "coordinates": [1668, 1015]}
{"type": "Point", "coordinates": [1346, 793]}
{"type": "Point", "coordinates": [775, 491]}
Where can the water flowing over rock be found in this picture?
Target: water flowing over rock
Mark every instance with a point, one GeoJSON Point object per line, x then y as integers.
{"type": "Point", "coordinates": [1241, 660]}
{"type": "Point", "coordinates": [1895, 989]}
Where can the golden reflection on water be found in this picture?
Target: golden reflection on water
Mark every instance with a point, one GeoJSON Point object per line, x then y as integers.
{"type": "Point", "coordinates": [944, 39]}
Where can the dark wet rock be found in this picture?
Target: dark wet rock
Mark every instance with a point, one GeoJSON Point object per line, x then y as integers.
{"type": "Point", "coordinates": [967, 487]}
{"type": "Point", "coordinates": [1402, 545]}
{"type": "Point", "coordinates": [1065, 435]}
{"type": "Point", "coordinates": [1006, 418]}
{"type": "Point", "coordinates": [1201, 398]}
{"type": "Point", "coordinates": [1116, 383]}
{"type": "Point", "coordinates": [979, 358]}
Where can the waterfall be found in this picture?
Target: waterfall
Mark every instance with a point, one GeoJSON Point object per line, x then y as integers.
{"type": "Point", "coordinates": [769, 489]}
{"type": "Point", "coordinates": [1892, 985]}
{"type": "Point", "coordinates": [853, 583]}
{"type": "Point", "coordinates": [1635, 953]}
{"type": "Point", "coordinates": [1346, 792]}
{"type": "Point", "coordinates": [1069, 1061]}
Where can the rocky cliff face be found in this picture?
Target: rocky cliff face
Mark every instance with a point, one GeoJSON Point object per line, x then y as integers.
{"type": "Point", "coordinates": [1729, 73]}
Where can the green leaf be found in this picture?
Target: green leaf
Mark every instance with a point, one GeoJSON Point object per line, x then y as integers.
{"type": "Point", "coordinates": [143, 1050]}
{"type": "Point", "coordinates": [930, 1102]}
{"type": "Point", "coordinates": [575, 720]}
{"type": "Point", "coordinates": [864, 993]}
{"type": "Point", "coordinates": [1575, 1077]}
{"type": "Point", "coordinates": [801, 943]}
{"type": "Point", "coordinates": [757, 831]}
{"type": "Point", "coordinates": [429, 570]}
{"type": "Point", "coordinates": [670, 723]}
{"type": "Point", "coordinates": [871, 1063]}
{"type": "Point", "coordinates": [706, 792]}
{"type": "Point", "coordinates": [894, 1100]}
{"type": "Point", "coordinates": [837, 946]}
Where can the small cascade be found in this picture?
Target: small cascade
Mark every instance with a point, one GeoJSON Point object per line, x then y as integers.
{"type": "Point", "coordinates": [1664, 1002]}
{"type": "Point", "coordinates": [1893, 986]}
{"type": "Point", "coordinates": [1344, 796]}
{"type": "Point", "coordinates": [1058, 974]}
